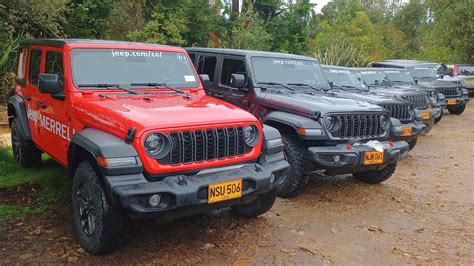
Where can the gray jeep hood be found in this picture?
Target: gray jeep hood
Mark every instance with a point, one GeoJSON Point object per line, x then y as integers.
{"type": "Point", "coordinates": [369, 97]}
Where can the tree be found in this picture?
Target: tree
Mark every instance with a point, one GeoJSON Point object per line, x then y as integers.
{"type": "Point", "coordinates": [87, 18]}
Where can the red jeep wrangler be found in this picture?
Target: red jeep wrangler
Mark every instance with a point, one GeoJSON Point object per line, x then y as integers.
{"type": "Point", "coordinates": [136, 132]}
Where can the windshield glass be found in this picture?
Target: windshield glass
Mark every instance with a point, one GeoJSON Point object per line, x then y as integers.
{"type": "Point", "coordinates": [465, 70]}
{"type": "Point", "coordinates": [399, 75]}
{"type": "Point", "coordinates": [423, 72]}
{"type": "Point", "coordinates": [343, 78]}
{"type": "Point", "coordinates": [123, 67]}
{"type": "Point", "coordinates": [372, 77]}
{"type": "Point", "coordinates": [288, 71]}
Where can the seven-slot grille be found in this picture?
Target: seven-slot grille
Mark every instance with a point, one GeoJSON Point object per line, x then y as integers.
{"type": "Point", "coordinates": [398, 111]}
{"type": "Point", "coordinates": [420, 101]}
{"type": "Point", "coordinates": [204, 145]}
{"type": "Point", "coordinates": [448, 91]}
{"type": "Point", "coordinates": [358, 126]}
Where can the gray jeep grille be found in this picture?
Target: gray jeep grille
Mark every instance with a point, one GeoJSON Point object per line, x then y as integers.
{"type": "Point", "coordinates": [204, 145]}
{"type": "Point", "coordinates": [398, 111]}
{"type": "Point", "coordinates": [420, 101]}
{"type": "Point", "coordinates": [448, 91]}
{"type": "Point", "coordinates": [358, 126]}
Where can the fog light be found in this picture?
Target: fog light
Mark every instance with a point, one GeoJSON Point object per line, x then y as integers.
{"type": "Point", "coordinates": [154, 200]}
{"type": "Point", "coordinates": [337, 158]}
{"type": "Point", "coordinates": [272, 178]}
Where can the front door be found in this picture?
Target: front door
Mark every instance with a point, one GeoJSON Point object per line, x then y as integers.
{"type": "Point", "coordinates": [229, 66]}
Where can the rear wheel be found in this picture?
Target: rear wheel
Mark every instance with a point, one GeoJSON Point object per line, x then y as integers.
{"type": "Point", "coordinates": [296, 176]}
{"type": "Point", "coordinates": [263, 203]}
{"type": "Point", "coordinates": [376, 176]}
{"type": "Point", "coordinates": [412, 143]}
{"type": "Point", "coordinates": [99, 226]}
{"type": "Point", "coordinates": [456, 110]}
{"type": "Point", "coordinates": [439, 117]}
{"type": "Point", "coordinates": [24, 152]}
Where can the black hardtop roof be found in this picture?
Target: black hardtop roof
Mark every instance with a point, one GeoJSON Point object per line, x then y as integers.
{"type": "Point", "coordinates": [62, 42]}
{"type": "Point", "coordinates": [240, 52]}
{"type": "Point", "coordinates": [404, 63]}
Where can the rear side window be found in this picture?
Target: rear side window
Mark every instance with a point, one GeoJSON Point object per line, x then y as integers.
{"type": "Point", "coordinates": [207, 65]}
{"type": "Point", "coordinates": [35, 63]}
{"type": "Point", "coordinates": [20, 76]}
{"type": "Point", "coordinates": [54, 65]}
{"type": "Point", "coordinates": [232, 66]}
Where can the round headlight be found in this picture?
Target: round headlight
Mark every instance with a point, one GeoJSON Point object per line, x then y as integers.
{"type": "Point", "coordinates": [157, 145]}
{"type": "Point", "coordinates": [251, 135]}
{"type": "Point", "coordinates": [384, 121]}
{"type": "Point", "coordinates": [329, 122]}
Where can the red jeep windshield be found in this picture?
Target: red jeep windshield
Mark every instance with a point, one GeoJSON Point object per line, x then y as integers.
{"type": "Point", "coordinates": [124, 67]}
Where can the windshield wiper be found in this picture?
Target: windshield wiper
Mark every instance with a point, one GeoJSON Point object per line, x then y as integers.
{"type": "Point", "coordinates": [276, 84]}
{"type": "Point", "coordinates": [306, 85]}
{"type": "Point", "coordinates": [107, 86]}
{"type": "Point", "coordinates": [158, 86]}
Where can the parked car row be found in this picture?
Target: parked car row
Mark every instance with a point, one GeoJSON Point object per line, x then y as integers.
{"type": "Point", "coordinates": [151, 131]}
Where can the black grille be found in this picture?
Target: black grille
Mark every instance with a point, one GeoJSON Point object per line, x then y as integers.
{"type": "Point", "coordinates": [420, 101]}
{"type": "Point", "coordinates": [204, 145]}
{"type": "Point", "coordinates": [448, 91]}
{"type": "Point", "coordinates": [398, 111]}
{"type": "Point", "coordinates": [358, 126]}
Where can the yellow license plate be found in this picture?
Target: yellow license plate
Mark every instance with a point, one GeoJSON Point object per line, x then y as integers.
{"type": "Point", "coordinates": [425, 115]}
{"type": "Point", "coordinates": [224, 191]}
{"type": "Point", "coordinates": [451, 101]}
{"type": "Point", "coordinates": [469, 80]}
{"type": "Point", "coordinates": [373, 157]}
{"type": "Point", "coordinates": [407, 131]}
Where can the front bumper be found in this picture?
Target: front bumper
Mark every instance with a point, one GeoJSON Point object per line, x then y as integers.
{"type": "Point", "coordinates": [398, 132]}
{"type": "Point", "coordinates": [458, 101]}
{"type": "Point", "coordinates": [344, 159]}
{"type": "Point", "coordinates": [183, 195]}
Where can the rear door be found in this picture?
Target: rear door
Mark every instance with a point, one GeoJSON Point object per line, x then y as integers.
{"type": "Point", "coordinates": [30, 91]}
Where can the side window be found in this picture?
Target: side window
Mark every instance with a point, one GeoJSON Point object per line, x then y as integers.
{"type": "Point", "coordinates": [21, 71]}
{"type": "Point", "coordinates": [35, 63]}
{"type": "Point", "coordinates": [54, 65]}
{"type": "Point", "coordinates": [229, 67]}
{"type": "Point", "coordinates": [207, 65]}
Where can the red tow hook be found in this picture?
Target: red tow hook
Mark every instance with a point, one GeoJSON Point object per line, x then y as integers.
{"type": "Point", "coordinates": [390, 142]}
{"type": "Point", "coordinates": [348, 146]}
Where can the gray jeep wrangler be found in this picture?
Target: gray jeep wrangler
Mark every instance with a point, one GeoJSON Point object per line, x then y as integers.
{"type": "Point", "coordinates": [321, 132]}
{"type": "Point", "coordinates": [345, 83]}
{"type": "Point", "coordinates": [426, 76]}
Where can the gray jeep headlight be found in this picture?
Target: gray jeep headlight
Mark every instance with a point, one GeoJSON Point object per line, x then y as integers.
{"type": "Point", "coordinates": [329, 122]}
{"type": "Point", "coordinates": [251, 135]}
{"type": "Point", "coordinates": [434, 95]}
{"type": "Point", "coordinates": [157, 145]}
{"type": "Point", "coordinates": [384, 121]}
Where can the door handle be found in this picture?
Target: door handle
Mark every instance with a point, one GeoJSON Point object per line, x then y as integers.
{"type": "Point", "coordinates": [41, 105]}
{"type": "Point", "coordinates": [28, 98]}
{"type": "Point", "coordinates": [220, 96]}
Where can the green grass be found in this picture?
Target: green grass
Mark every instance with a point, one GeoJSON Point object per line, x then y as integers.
{"type": "Point", "coordinates": [50, 178]}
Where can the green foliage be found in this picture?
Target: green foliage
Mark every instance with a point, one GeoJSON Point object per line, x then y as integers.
{"type": "Point", "coordinates": [87, 18]}
{"type": "Point", "coordinates": [342, 54]}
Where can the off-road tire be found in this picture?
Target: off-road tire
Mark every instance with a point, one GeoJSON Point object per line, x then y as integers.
{"type": "Point", "coordinates": [456, 110]}
{"type": "Point", "coordinates": [412, 144]}
{"type": "Point", "coordinates": [439, 117]}
{"type": "Point", "coordinates": [24, 152]}
{"type": "Point", "coordinates": [259, 206]}
{"type": "Point", "coordinates": [111, 223]}
{"type": "Point", "coordinates": [429, 126]}
{"type": "Point", "coordinates": [376, 176]}
{"type": "Point", "coordinates": [297, 176]}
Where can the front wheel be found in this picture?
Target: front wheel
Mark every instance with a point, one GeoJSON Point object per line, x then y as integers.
{"type": "Point", "coordinates": [263, 203]}
{"type": "Point", "coordinates": [412, 144]}
{"type": "Point", "coordinates": [376, 176]}
{"type": "Point", "coordinates": [439, 117]}
{"type": "Point", "coordinates": [24, 152]}
{"type": "Point", "coordinates": [99, 226]}
{"type": "Point", "coordinates": [429, 126]}
{"type": "Point", "coordinates": [457, 110]}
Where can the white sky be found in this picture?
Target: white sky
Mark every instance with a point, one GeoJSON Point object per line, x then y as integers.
{"type": "Point", "coordinates": [320, 4]}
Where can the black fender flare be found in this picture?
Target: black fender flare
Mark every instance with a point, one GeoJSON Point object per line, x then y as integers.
{"type": "Point", "coordinates": [98, 143]}
{"type": "Point", "coordinates": [17, 109]}
{"type": "Point", "coordinates": [292, 120]}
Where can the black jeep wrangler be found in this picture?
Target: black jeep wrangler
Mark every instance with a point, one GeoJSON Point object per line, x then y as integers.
{"type": "Point", "coordinates": [426, 76]}
{"type": "Point", "coordinates": [321, 132]}
{"type": "Point", "coordinates": [377, 81]}
{"type": "Point", "coordinates": [346, 83]}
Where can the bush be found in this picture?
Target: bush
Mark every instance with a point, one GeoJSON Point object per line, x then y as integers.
{"type": "Point", "coordinates": [342, 54]}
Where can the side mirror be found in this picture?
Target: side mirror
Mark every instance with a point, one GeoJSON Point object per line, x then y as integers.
{"type": "Point", "coordinates": [49, 83]}
{"type": "Point", "coordinates": [331, 85]}
{"type": "Point", "coordinates": [237, 81]}
{"type": "Point", "coordinates": [206, 82]}
{"type": "Point", "coordinates": [416, 82]}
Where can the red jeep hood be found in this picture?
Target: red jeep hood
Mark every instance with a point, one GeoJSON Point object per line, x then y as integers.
{"type": "Point", "coordinates": [161, 111]}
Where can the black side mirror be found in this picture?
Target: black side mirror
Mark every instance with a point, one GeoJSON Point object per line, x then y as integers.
{"type": "Point", "coordinates": [416, 82]}
{"type": "Point", "coordinates": [237, 81]}
{"type": "Point", "coordinates": [49, 83]}
{"type": "Point", "coordinates": [206, 82]}
{"type": "Point", "coordinates": [331, 85]}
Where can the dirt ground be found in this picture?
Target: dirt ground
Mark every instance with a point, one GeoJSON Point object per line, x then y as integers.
{"type": "Point", "coordinates": [423, 215]}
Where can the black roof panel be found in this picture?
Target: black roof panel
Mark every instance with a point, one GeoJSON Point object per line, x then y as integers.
{"type": "Point", "coordinates": [240, 52]}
